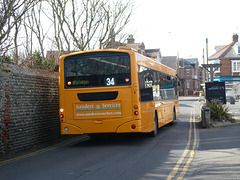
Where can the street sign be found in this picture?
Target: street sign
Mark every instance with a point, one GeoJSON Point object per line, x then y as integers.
{"type": "Point", "coordinates": [215, 92]}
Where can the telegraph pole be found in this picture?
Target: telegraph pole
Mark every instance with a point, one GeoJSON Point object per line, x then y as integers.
{"type": "Point", "coordinates": [207, 49]}
{"type": "Point", "coordinates": [207, 57]}
{"type": "Point", "coordinates": [204, 71]}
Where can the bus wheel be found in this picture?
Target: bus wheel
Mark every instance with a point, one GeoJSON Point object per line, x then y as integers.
{"type": "Point", "coordinates": [154, 132]}
{"type": "Point", "coordinates": [174, 115]}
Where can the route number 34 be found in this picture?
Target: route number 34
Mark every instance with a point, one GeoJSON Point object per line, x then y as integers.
{"type": "Point", "coordinates": [110, 81]}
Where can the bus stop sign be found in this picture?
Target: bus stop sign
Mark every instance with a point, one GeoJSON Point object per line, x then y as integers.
{"type": "Point", "coordinates": [215, 92]}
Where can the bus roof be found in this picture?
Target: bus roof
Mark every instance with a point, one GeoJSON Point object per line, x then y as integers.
{"type": "Point", "coordinates": [140, 59]}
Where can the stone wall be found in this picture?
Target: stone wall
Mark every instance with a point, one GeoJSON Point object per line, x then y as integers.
{"type": "Point", "coordinates": [29, 105]}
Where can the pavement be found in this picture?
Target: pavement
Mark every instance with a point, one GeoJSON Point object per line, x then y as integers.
{"type": "Point", "coordinates": [218, 150]}
{"type": "Point", "coordinates": [217, 156]}
{"type": "Point", "coordinates": [234, 110]}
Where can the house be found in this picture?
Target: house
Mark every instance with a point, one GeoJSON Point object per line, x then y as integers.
{"type": "Point", "coordinates": [229, 72]}
{"type": "Point", "coordinates": [154, 53]}
{"type": "Point", "coordinates": [229, 58]}
{"type": "Point", "coordinates": [140, 48]}
{"type": "Point", "coordinates": [190, 75]}
{"type": "Point", "coordinates": [170, 61]}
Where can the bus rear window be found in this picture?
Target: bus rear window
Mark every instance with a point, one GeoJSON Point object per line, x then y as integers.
{"type": "Point", "coordinates": [97, 69]}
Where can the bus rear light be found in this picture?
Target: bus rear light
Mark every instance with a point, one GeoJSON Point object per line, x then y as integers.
{"type": "Point", "coordinates": [135, 106]}
{"type": "Point", "coordinates": [69, 83]}
{"type": "Point", "coordinates": [66, 129]}
{"type": "Point", "coordinates": [127, 80]}
{"type": "Point", "coordinates": [61, 110]}
{"type": "Point", "coordinates": [61, 116]}
{"type": "Point", "coordinates": [133, 126]}
{"type": "Point", "coordinates": [136, 112]}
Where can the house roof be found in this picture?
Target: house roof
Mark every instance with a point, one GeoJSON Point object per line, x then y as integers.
{"type": "Point", "coordinates": [136, 45]}
{"type": "Point", "coordinates": [224, 52]}
{"type": "Point", "coordinates": [170, 61]}
{"type": "Point", "coordinates": [233, 52]}
{"type": "Point", "coordinates": [152, 52]}
{"type": "Point", "coordinates": [190, 63]}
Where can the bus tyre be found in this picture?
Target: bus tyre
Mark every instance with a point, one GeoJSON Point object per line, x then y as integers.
{"type": "Point", "coordinates": [154, 132]}
{"type": "Point", "coordinates": [174, 117]}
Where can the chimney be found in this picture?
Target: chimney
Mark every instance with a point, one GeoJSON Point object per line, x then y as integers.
{"type": "Point", "coordinates": [130, 39]}
{"type": "Point", "coordinates": [235, 38]}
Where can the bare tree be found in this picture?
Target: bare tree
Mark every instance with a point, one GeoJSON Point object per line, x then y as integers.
{"type": "Point", "coordinates": [60, 38]}
{"type": "Point", "coordinates": [117, 17]}
{"type": "Point", "coordinates": [88, 24]}
{"type": "Point", "coordinates": [36, 26]}
{"type": "Point", "coordinates": [11, 12]}
{"type": "Point", "coordinates": [28, 45]}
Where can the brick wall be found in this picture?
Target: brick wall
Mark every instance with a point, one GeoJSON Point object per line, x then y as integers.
{"type": "Point", "coordinates": [226, 67]}
{"type": "Point", "coordinates": [28, 108]}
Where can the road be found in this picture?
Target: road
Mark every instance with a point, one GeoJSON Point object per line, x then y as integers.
{"type": "Point", "coordinates": [179, 151]}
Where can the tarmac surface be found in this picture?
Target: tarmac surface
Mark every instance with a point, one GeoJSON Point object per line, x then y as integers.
{"type": "Point", "coordinates": [218, 150]}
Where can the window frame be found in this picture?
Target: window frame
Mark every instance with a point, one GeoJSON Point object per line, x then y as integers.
{"type": "Point", "coordinates": [92, 55]}
{"type": "Point", "coordinates": [188, 84]}
{"type": "Point", "coordinates": [234, 65]}
{"type": "Point", "coordinates": [157, 90]}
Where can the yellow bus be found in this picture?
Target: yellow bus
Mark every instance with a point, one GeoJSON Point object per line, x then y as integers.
{"type": "Point", "coordinates": [115, 91]}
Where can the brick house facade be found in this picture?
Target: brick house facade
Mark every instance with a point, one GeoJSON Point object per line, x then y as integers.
{"type": "Point", "coordinates": [190, 76]}
{"type": "Point", "coordinates": [229, 58]}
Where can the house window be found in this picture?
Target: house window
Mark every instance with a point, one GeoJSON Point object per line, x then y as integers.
{"type": "Point", "coordinates": [188, 84]}
{"type": "Point", "coordinates": [188, 72]}
{"type": "Point", "coordinates": [236, 66]}
{"type": "Point", "coordinates": [239, 49]}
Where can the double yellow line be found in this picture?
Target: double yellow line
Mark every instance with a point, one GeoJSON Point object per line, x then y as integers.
{"type": "Point", "coordinates": [188, 154]}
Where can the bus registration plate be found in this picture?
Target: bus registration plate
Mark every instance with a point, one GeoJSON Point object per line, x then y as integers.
{"type": "Point", "coordinates": [97, 109]}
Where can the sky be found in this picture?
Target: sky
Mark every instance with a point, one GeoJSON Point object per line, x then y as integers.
{"type": "Point", "coordinates": [180, 27]}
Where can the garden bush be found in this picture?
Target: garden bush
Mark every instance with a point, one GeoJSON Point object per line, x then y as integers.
{"type": "Point", "coordinates": [219, 111]}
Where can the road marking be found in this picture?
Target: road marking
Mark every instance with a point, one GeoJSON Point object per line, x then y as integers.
{"type": "Point", "coordinates": [42, 150]}
{"type": "Point", "coordinates": [192, 153]}
{"type": "Point", "coordinates": [187, 152]}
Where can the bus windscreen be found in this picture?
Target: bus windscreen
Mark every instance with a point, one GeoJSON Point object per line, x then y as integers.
{"type": "Point", "coordinates": [97, 69]}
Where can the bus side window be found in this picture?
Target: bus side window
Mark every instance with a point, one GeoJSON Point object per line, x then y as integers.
{"type": "Point", "coordinates": [146, 81]}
